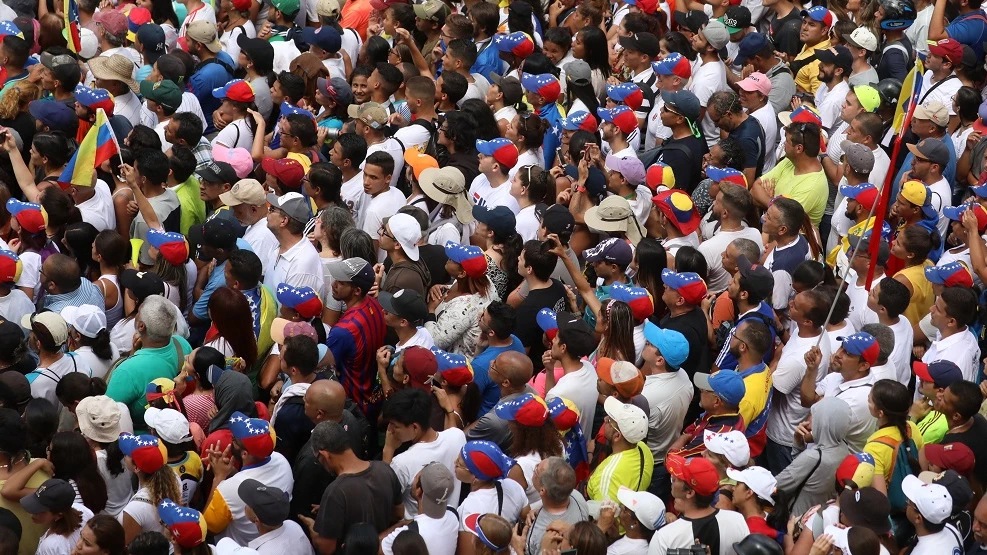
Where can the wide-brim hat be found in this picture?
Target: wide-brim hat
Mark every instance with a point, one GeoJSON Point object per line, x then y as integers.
{"type": "Point", "coordinates": [448, 186]}
{"type": "Point", "coordinates": [114, 68]}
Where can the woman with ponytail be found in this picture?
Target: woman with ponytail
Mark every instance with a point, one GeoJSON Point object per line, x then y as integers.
{"type": "Point", "coordinates": [504, 246]}
{"type": "Point", "coordinates": [89, 338]}
{"type": "Point", "coordinates": [529, 186]}
{"type": "Point", "coordinates": [527, 132]}
{"type": "Point", "coordinates": [889, 403]}
{"type": "Point", "coordinates": [146, 457]}
{"type": "Point", "coordinates": [112, 252]}
{"type": "Point", "coordinates": [100, 421]}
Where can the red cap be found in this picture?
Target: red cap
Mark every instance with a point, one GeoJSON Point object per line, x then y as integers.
{"type": "Point", "coordinates": [287, 171]}
{"type": "Point", "coordinates": [420, 365]}
{"type": "Point", "coordinates": [651, 6]}
{"type": "Point", "coordinates": [698, 473]}
{"type": "Point", "coordinates": [948, 49]}
{"type": "Point", "coordinates": [951, 456]}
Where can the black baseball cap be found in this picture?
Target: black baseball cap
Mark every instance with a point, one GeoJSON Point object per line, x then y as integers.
{"type": "Point", "coordinates": [405, 303]}
{"type": "Point", "coordinates": [751, 45]}
{"type": "Point", "coordinates": [269, 503]}
{"type": "Point", "coordinates": [645, 43]}
{"type": "Point", "coordinates": [558, 220]}
{"type": "Point", "coordinates": [260, 52]}
{"type": "Point", "coordinates": [692, 20]}
{"type": "Point", "coordinates": [576, 335]}
{"type": "Point", "coordinates": [142, 284]}
{"type": "Point", "coordinates": [839, 55]}
{"type": "Point", "coordinates": [760, 280]}
{"type": "Point", "coordinates": [219, 172]}
{"type": "Point", "coordinates": [53, 495]}
{"type": "Point", "coordinates": [866, 507]}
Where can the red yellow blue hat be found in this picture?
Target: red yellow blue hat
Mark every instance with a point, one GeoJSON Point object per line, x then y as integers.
{"type": "Point", "coordinates": [303, 300]}
{"type": "Point", "coordinates": [454, 368]}
{"type": "Point", "coordinates": [503, 150]}
{"type": "Point", "coordinates": [638, 298]}
{"type": "Point", "coordinates": [527, 410]}
{"type": "Point", "coordinates": [519, 44]}
{"type": "Point", "coordinates": [802, 114]}
{"type": "Point", "coordinates": [548, 322]}
{"type": "Point", "coordinates": [256, 435]}
{"type": "Point", "coordinates": [629, 93]}
{"type": "Point", "coordinates": [564, 413]}
{"type": "Point", "coordinates": [678, 207]}
{"type": "Point", "coordinates": [660, 175]}
{"type": "Point", "coordinates": [579, 121]}
{"type": "Point", "coordinates": [10, 266]}
{"type": "Point", "coordinates": [236, 90]}
{"type": "Point", "coordinates": [172, 246]}
{"type": "Point", "coordinates": [730, 175]}
{"type": "Point", "coordinates": [688, 284]}
{"type": "Point", "coordinates": [861, 344]}
{"type": "Point", "coordinates": [160, 388]}
{"type": "Point", "coordinates": [470, 257]}
{"type": "Point", "coordinates": [135, 18]}
{"type": "Point", "coordinates": [187, 525]}
{"type": "Point", "coordinates": [485, 460]}
{"type": "Point", "coordinates": [949, 275]}
{"type": "Point", "coordinates": [621, 116]}
{"type": "Point", "coordinates": [30, 216]}
{"type": "Point", "coordinates": [858, 468]}
{"type": "Point", "coordinates": [673, 64]}
{"type": "Point", "coordinates": [544, 85]}
{"type": "Point", "coordinates": [820, 14]}
{"type": "Point", "coordinates": [94, 98]}
{"type": "Point", "coordinates": [864, 193]}
{"type": "Point", "coordinates": [955, 213]}
{"type": "Point", "coordinates": [147, 451]}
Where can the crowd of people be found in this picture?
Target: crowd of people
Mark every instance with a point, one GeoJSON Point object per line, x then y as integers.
{"type": "Point", "coordinates": [467, 278]}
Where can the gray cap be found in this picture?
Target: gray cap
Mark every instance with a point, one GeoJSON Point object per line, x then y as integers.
{"type": "Point", "coordinates": [579, 72]}
{"type": "Point", "coordinates": [933, 150]}
{"type": "Point", "coordinates": [716, 34]}
{"type": "Point", "coordinates": [509, 86]}
{"type": "Point", "coordinates": [293, 204]}
{"type": "Point", "coordinates": [269, 503]}
{"type": "Point", "coordinates": [860, 158]}
{"type": "Point", "coordinates": [436, 482]}
{"type": "Point", "coordinates": [883, 250]}
{"type": "Point", "coordinates": [51, 61]}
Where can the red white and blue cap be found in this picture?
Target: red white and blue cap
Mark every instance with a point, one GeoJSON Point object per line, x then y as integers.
{"type": "Point", "coordinates": [503, 150]}
{"type": "Point", "coordinates": [688, 284]}
{"type": "Point", "coordinates": [187, 525]}
{"type": "Point", "coordinates": [820, 14]}
{"type": "Point", "coordinates": [94, 98]}
{"type": "Point", "coordinates": [237, 90]}
{"type": "Point", "coordinates": [519, 44]}
{"type": "Point", "coordinates": [678, 207]}
{"type": "Point", "coordinates": [804, 113]}
{"type": "Point", "coordinates": [544, 85]}
{"type": "Point", "coordinates": [955, 213]}
{"type": "Point", "coordinates": [980, 190]}
{"type": "Point", "coordinates": [303, 300]}
{"type": "Point", "coordinates": [730, 175]}
{"type": "Point", "coordinates": [660, 175]}
{"type": "Point", "coordinates": [10, 267]}
{"type": "Point", "coordinates": [485, 460]}
{"type": "Point", "coordinates": [454, 368]}
{"type": "Point", "coordinates": [147, 451]}
{"type": "Point", "coordinates": [7, 28]}
{"type": "Point", "coordinates": [172, 246]}
{"type": "Point", "coordinates": [548, 322]}
{"type": "Point", "coordinates": [470, 257]}
{"type": "Point", "coordinates": [861, 344]}
{"type": "Point", "coordinates": [673, 64]}
{"type": "Point", "coordinates": [629, 93]}
{"type": "Point", "coordinates": [864, 193]}
{"type": "Point", "coordinates": [579, 121]}
{"type": "Point", "coordinates": [29, 215]}
{"type": "Point", "coordinates": [136, 17]}
{"type": "Point", "coordinates": [564, 413]}
{"type": "Point", "coordinates": [291, 110]}
{"type": "Point", "coordinates": [638, 298]}
{"type": "Point", "coordinates": [621, 116]}
{"type": "Point", "coordinates": [949, 275]}
{"type": "Point", "coordinates": [256, 434]}
{"type": "Point", "coordinates": [527, 410]}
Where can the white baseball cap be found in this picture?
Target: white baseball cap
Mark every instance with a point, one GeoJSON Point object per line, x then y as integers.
{"type": "Point", "coordinates": [757, 479]}
{"type": "Point", "coordinates": [732, 445]}
{"type": "Point", "coordinates": [169, 425]}
{"type": "Point", "coordinates": [647, 507]}
{"type": "Point", "coordinates": [629, 419]}
{"type": "Point", "coordinates": [407, 232]}
{"type": "Point", "coordinates": [87, 319]}
{"type": "Point", "coordinates": [932, 500]}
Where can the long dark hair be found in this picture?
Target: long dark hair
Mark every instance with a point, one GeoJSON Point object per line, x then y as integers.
{"type": "Point", "coordinates": [73, 459]}
{"type": "Point", "coordinates": [79, 237]}
{"type": "Point", "coordinates": [596, 51]}
{"type": "Point", "coordinates": [892, 398]}
{"type": "Point", "coordinates": [203, 359]}
{"type": "Point", "coordinates": [586, 93]}
{"type": "Point", "coordinates": [651, 260]}
{"type": "Point", "coordinates": [231, 315]}
{"type": "Point", "coordinates": [41, 420]}
{"type": "Point", "coordinates": [163, 12]}
{"type": "Point", "coordinates": [486, 124]}
{"type": "Point", "coordinates": [618, 335]}
{"type": "Point", "coordinates": [510, 249]}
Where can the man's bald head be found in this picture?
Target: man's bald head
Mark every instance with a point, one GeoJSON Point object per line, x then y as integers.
{"type": "Point", "coordinates": [515, 367]}
{"type": "Point", "coordinates": [324, 401]}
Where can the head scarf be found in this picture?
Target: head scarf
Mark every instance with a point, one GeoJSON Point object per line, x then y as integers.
{"type": "Point", "coordinates": [233, 393]}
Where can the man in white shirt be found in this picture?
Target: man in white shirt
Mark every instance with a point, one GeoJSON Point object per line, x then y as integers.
{"type": "Point", "coordinates": [438, 526]}
{"type": "Point", "coordinates": [952, 312]}
{"type": "Point", "coordinates": [295, 261]}
{"type": "Point", "coordinates": [114, 73]}
{"type": "Point", "coordinates": [940, 81]}
{"type": "Point", "coordinates": [348, 152]}
{"type": "Point", "coordinates": [711, 76]}
{"type": "Point", "coordinates": [928, 508]}
{"type": "Point", "coordinates": [573, 341]}
{"type": "Point", "coordinates": [673, 73]}
{"type": "Point", "coordinates": [385, 199]}
{"type": "Point", "coordinates": [835, 65]}
{"type": "Point", "coordinates": [730, 207]}
{"type": "Point", "coordinates": [888, 299]}
{"type": "Point", "coordinates": [371, 118]}
{"type": "Point", "coordinates": [491, 188]}
{"type": "Point", "coordinates": [248, 201]}
{"type": "Point", "coordinates": [267, 507]}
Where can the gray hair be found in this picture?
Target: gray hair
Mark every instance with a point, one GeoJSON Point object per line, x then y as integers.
{"type": "Point", "coordinates": [558, 479]}
{"type": "Point", "coordinates": [356, 243]}
{"type": "Point", "coordinates": [330, 437]}
{"type": "Point", "coordinates": [885, 339]}
{"type": "Point", "coordinates": [725, 102]}
{"type": "Point", "coordinates": [336, 220]}
{"type": "Point", "coordinates": [158, 315]}
{"type": "Point", "coordinates": [747, 248]}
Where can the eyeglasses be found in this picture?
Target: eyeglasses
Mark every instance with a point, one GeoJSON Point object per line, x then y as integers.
{"type": "Point", "coordinates": [383, 231]}
{"type": "Point", "coordinates": [665, 108]}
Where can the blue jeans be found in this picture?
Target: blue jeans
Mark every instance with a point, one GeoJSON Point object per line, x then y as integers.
{"type": "Point", "coordinates": [777, 456]}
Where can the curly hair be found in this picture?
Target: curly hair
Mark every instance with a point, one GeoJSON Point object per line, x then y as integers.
{"type": "Point", "coordinates": [544, 440]}
{"type": "Point", "coordinates": [161, 484]}
{"type": "Point", "coordinates": [17, 98]}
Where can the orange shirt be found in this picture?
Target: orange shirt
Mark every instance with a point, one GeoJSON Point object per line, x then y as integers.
{"type": "Point", "coordinates": [356, 16]}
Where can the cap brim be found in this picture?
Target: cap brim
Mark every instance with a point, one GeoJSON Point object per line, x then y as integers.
{"type": "Point", "coordinates": [33, 505]}
{"type": "Point", "coordinates": [702, 381]}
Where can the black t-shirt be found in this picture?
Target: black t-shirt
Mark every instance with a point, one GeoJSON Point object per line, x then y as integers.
{"type": "Point", "coordinates": [685, 163]}
{"type": "Point", "coordinates": [527, 330]}
{"type": "Point", "coordinates": [694, 327]}
{"type": "Point", "coordinates": [974, 439]}
{"type": "Point", "coordinates": [311, 478]}
{"type": "Point", "coordinates": [369, 496]}
{"type": "Point", "coordinates": [750, 135]}
{"type": "Point", "coordinates": [785, 33]}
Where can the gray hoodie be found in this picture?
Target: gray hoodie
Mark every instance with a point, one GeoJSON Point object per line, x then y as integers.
{"type": "Point", "coordinates": [830, 423]}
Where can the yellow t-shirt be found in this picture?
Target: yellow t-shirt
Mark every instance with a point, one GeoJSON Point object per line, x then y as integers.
{"type": "Point", "coordinates": [811, 190]}
{"type": "Point", "coordinates": [621, 469]}
{"type": "Point", "coordinates": [922, 295]}
{"type": "Point", "coordinates": [807, 77]}
{"type": "Point", "coordinates": [884, 455]}
{"type": "Point", "coordinates": [30, 532]}
{"type": "Point", "coordinates": [758, 391]}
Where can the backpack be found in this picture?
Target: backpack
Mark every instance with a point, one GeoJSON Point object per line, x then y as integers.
{"type": "Point", "coordinates": [904, 463]}
{"type": "Point", "coordinates": [721, 335]}
{"type": "Point", "coordinates": [433, 137]}
{"type": "Point", "coordinates": [651, 156]}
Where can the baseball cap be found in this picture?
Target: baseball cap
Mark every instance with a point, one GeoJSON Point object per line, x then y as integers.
{"type": "Point", "coordinates": [693, 20]}
{"type": "Point", "coordinates": [437, 486]}
{"type": "Point", "coordinates": [10, 267]}
{"type": "Point", "coordinates": [187, 525]}
{"type": "Point", "coordinates": [171, 245]}
{"type": "Point", "coordinates": [29, 215]}
{"type": "Point", "coordinates": [857, 468]}
{"type": "Point", "coordinates": [169, 425]}
{"type": "Point", "coordinates": [432, 10]}
{"type": "Point", "coordinates": [918, 194]}
{"type": "Point", "coordinates": [673, 64]}
{"type": "Point", "coordinates": [502, 150]}
{"type": "Point", "coordinates": [861, 344]}
{"type": "Point", "coordinates": [860, 158]}
{"type": "Point", "coordinates": [52, 495]}
{"type": "Point", "coordinates": [147, 451]}
{"type": "Point", "coordinates": [819, 14]}
{"type": "Point", "coordinates": [419, 161]}
{"type": "Point", "coordinates": [756, 82]}
{"type": "Point", "coordinates": [951, 456]}
{"type": "Point", "coordinates": [303, 300]}
{"type": "Point", "coordinates": [645, 43]}
{"type": "Point", "coordinates": [548, 321]}
{"type": "Point", "coordinates": [218, 172]}
{"type": "Point", "coordinates": [698, 473]}
{"type": "Point", "coordinates": [485, 460]}
{"type": "Point", "coordinates": [470, 257]}
{"type": "Point", "coordinates": [499, 218]}
{"type": "Point", "coordinates": [630, 167]}
{"type": "Point", "coordinates": [682, 102]}
{"type": "Point", "coordinates": [621, 116]}
{"type": "Point", "coordinates": [404, 303]}
{"type": "Point", "coordinates": [245, 191]}
{"type": "Point", "coordinates": [864, 193]}
{"type": "Point", "coordinates": [757, 278]}
{"type": "Point", "coordinates": [406, 231]}
{"type": "Point", "coordinates": [678, 208]}
{"type": "Point", "coordinates": [355, 270]}
{"type": "Point", "coordinates": [933, 150]}
{"type": "Point", "coordinates": [934, 111]}
{"type": "Point", "coordinates": [15, 381]}
{"type": "Point", "coordinates": [803, 114]}
{"type": "Point", "coordinates": [86, 319]}
{"type": "Point", "coordinates": [866, 507]}
{"type": "Point", "coordinates": [726, 384]}
{"type": "Point", "coordinates": [142, 284]}
{"type": "Point", "coordinates": [639, 300]}
{"type": "Point", "coordinates": [671, 344]}
{"type": "Point", "coordinates": [862, 37]}
{"type": "Point", "coordinates": [517, 43]}
{"type": "Point", "coordinates": [290, 110]}
{"type": "Point", "coordinates": [544, 85]}
{"type": "Point", "coordinates": [281, 329]}
{"type": "Point", "coordinates": [622, 375]}
{"type": "Point", "coordinates": [751, 45]}
{"type": "Point", "coordinates": [629, 420]}
{"type": "Point", "coordinates": [612, 250]}
{"type": "Point", "coordinates": [689, 285]}
{"type": "Point", "coordinates": [716, 34]}
{"type": "Point", "coordinates": [757, 479]}
{"type": "Point", "coordinates": [218, 233]}
{"type": "Point", "coordinates": [868, 97]}
{"type": "Point", "coordinates": [336, 89]}
{"type": "Point", "coordinates": [238, 158]}
{"type": "Point", "coordinates": [99, 418]}
{"type": "Point", "coordinates": [269, 503]}
{"type": "Point", "coordinates": [51, 61]}
{"type": "Point", "coordinates": [578, 72]}
{"type": "Point", "coordinates": [420, 365]}
{"type": "Point", "coordinates": [647, 507]}
{"type": "Point", "coordinates": [628, 92]}
{"type": "Point", "coordinates": [370, 113]}
{"type": "Point", "coordinates": [729, 175]}
{"type": "Point", "coordinates": [958, 486]}
{"type": "Point", "coordinates": [297, 207]}
{"type": "Point", "coordinates": [326, 37]}
{"type": "Point", "coordinates": [509, 86]}
{"type": "Point", "coordinates": [152, 38]}
{"type": "Point", "coordinates": [949, 49]}
{"type": "Point", "coordinates": [932, 500]}
{"type": "Point", "coordinates": [558, 220]}
{"type": "Point", "coordinates": [55, 115]}
{"type": "Point", "coordinates": [286, 170]}
{"type": "Point", "coordinates": [528, 410]}
{"type": "Point", "coordinates": [736, 19]}
{"type": "Point", "coordinates": [940, 373]}
{"type": "Point", "coordinates": [579, 121]}
{"type": "Point", "coordinates": [255, 434]}
{"type": "Point", "coordinates": [259, 51]}
{"type": "Point", "coordinates": [732, 445]}
{"type": "Point", "coordinates": [204, 32]}
{"type": "Point", "coordinates": [453, 368]}
{"type": "Point", "coordinates": [164, 92]}
{"type": "Point", "coordinates": [237, 90]}
{"type": "Point", "coordinates": [955, 213]}
{"type": "Point", "coordinates": [52, 322]}
{"type": "Point", "coordinates": [837, 55]}
{"type": "Point", "coordinates": [112, 21]}
{"type": "Point", "coordinates": [575, 334]}
{"type": "Point", "coordinates": [950, 274]}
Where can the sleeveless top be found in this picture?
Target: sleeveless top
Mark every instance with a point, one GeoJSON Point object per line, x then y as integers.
{"type": "Point", "coordinates": [922, 295]}
{"type": "Point", "coordinates": [115, 313]}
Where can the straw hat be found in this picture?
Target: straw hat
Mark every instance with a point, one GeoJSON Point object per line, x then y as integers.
{"type": "Point", "coordinates": [114, 68]}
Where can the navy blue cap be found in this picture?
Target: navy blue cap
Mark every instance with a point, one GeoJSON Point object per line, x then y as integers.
{"type": "Point", "coordinates": [751, 44]}
{"type": "Point", "coordinates": [53, 114]}
{"type": "Point", "coordinates": [499, 218]}
{"type": "Point", "coordinates": [325, 37]}
{"type": "Point", "coordinates": [683, 102]}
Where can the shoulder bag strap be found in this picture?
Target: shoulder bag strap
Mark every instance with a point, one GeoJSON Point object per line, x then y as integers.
{"type": "Point", "coordinates": [179, 353]}
{"type": "Point", "coordinates": [934, 87]}
{"type": "Point", "coordinates": [640, 466]}
{"type": "Point", "coordinates": [805, 480]}
{"type": "Point", "coordinates": [500, 497]}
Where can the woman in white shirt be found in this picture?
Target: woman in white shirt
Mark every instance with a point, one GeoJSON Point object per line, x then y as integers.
{"type": "Point", "coordinates": [527, 132]}
{"type": "Point", "coordinates": [100, 422]}
{"type": "Point", "coordinates": [237, 124]}
{"type": "Point", "coordinates": [529, 186]}
{"type": "Point", "coordinates": [89, 339]}
{"type": "Point", "coordinates": [145, 457]}
{"type": "Point", "coordinates": [54, 507]}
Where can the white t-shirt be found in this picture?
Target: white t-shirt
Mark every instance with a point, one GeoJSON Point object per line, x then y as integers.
{"type": "Point", "coordinates": [901, 356]}
{"type": "Point", "coordinates": [98, 210]}
{"type": "Point", "coordinates": [229, 40]}
{"type": "Point", "coordinates": [97, 366]}
{"type": "Point", "coordinates": [787, 412]}
{"type": "Point", "coordinates": [946, 541]}
{"type": "Point", "coordinates": [766, 116]}
{"type": "Point", "coordinates": [960, 348]}
{"type": "Point", "coordinates": [382, 206]}
{"type": "Point", "coordinates": [527, 464]}
{"type": "Point", "coordinates": [580, 388]}
{"type": "Point", "coordinates": [678, 534]}
{"type": "Point", "coordinates": [859, 313]}
{"type": "Point", "coordinates": [235, 135]}
{"type": "Point", "coordinates": [393, 148]}
{"type": "Point", "coordinates": [119, 488]}
{"type": "Point", "coordinates": [289, 538]}
{"type": "Point", "coordinates": [943, 197]}
{"type": "Point", "coordinates": [944, 93]}
{"type": "Point", "coordinates": [440, 534]}
{"type": "Point", "coordinates": [506, 113]}
{"type": "Point", "coordinates": [204, 13]}
{"type": "Point", "coordinates": [855, 394]}
{"type": "Point", "coordinates": [628, 546]}
{"type": "Point", "coordinates": [54, 544]}
{"type": "Point", "coordinates": [527, 223]}
{"type": "Point", "coordinates": [484, 194]}
{"type": "Point", "coordinates": [354, 196]}
{"type": "Point", "coordinates": [407, 465]}
{"type": "Point", "coordinates": [719, 278]}
{"type": "Point", "coordinates": [918, 32]}
{"type": "Point", "coordinates": [276, 472]}
{"type": "Point", "coordinates": [422, 338]}
{"type": "Point", "coordinates": [484, 501]}
{"type": "Point", "coordinates": [44, 380]}
{"type": "Point", "coordinates": [656, 129]}
{"type": "Point", "coordinates": [15, 305]}
{"type": "Point", "coordinates": [30, 272]}
{"type": "Point", "coordinates": [830, 103]}
{"type": "Point", "coordinates": [710, 78]}
{"type": "Point", "coordinates": [144, 512]}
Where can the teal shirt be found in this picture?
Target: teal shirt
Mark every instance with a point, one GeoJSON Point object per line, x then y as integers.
{"type": "Point", "coordinates": [128, 382]}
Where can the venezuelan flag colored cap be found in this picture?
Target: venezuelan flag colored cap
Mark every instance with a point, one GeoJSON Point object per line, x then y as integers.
{"type": "Point", "coordinates": [564, 413]}
{"type": "Point", "coordinates": [861, 344]}
{"type": "Point", "coordinates": [236, 90]}
{"type": "Point", "coordinates": [638, 298]}
{"type": "Point", "coordinates": [629, 93]}
{"type": "Point", "coordinates": [172, 246]}
{"type": "Point", "coordinates": [660, 175]}
{"type": "Point", "coordinates": [820, 14]}
{"type": "Point", "coordinates": [454, 368]}
{"type": "Point", "coordinates": [673, 64]}
{"type": "Point", "coordinates": [857, 468]}
{"type": "Point", "coordinates": [678, 207]}
{"type": "Point", "coordinates": [470, 257]}
{"type": "Point", "coordinates": [159, 388]}
{"type": "Point", "coordinates": [980, 190]}
{"type": "Point", "coordinates": [485, 460]}
{"type": "Point", "coordinates": [94, 98]}
{"type": "Point", "coordinates": [290, 110]}
{"type": "Point", "coordinates": [256, 435]}
{"type": "Point", "coordinates": [147, 451]}
{"type": "Point", "coordinates": [865, 194]}
{"type": "Point", "coordinates": [548, 322]}
{"type": "Point", "coordinates": [580, 121]}
{"type": "Point", "coordinates": [137, 17]}
{"type": "Point", "coordinates": [10, 267]}
{"type": "Point", "coordinates": [7, 28]}
{"type": "Point", "coordinates": [688, 284]}
{"type": "Point", "coordinates": [955, 213]}
{"type": "Point", "coordinates": [802, 114]}
{"type": "Point", "coordinates": [527, 410]}
{"type": "Point", "coordinates": [949, 275]}
{"type": "Point", "coordinates": [503, 150]}
{"type": "Point", "coordinates": [730, 175]}
{"type": "Point", "coordinates": [621, 116]}
{"type": "Point", "coordinates": [519, 44]}
{"type": "Point", "coordinates": [186, 525]}
{"type": "Point", "coordinates": [303, 300]}
{"type": "Point", "coordinates": [544, 85]}
{"type": "Point", "coordinates": [30, 216]}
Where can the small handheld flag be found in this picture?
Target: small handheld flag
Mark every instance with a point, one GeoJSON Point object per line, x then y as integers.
{"type": "Point", "coordinates": [99, 145]}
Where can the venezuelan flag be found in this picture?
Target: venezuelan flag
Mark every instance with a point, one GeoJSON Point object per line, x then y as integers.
{"type": "Point", "coordinates": [72, 26]}
{"type": "Point", "coordinates": [99, 145]}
